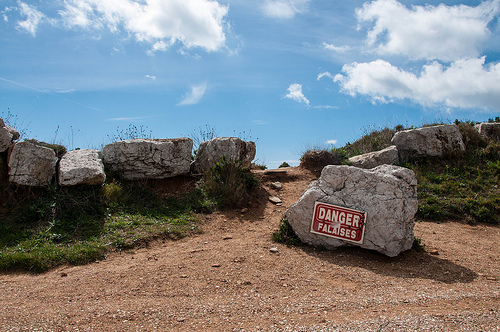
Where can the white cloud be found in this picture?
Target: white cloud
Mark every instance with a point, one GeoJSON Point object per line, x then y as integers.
{"type": "Point", "coordinates": [295, 93]}
{"type": "Point", "coordinates": [332, 141]}
{"type": "Point", "coordinates": [321, 107]}
{"type": "Point", "coordinates": [160, 23]}
{"type": "Point", "coordinates": [327, 74]}
{"type": "Point", "coordinates": [338, 49]}
{"type": "Point", "coordinates": [33, 18]}
{"type": "Point", "coordinates": [466, 83]}
{"type": "Point", "coordinates": [431, 32]}
{"type": "Point", "coordinates": [197, 92]}
{"type": "Point", "coordinates": [285, 9]}
{"type": "Point", "coordinates": [152, 77]}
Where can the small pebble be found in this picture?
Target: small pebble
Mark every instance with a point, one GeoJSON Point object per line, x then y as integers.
{"type": "Point", "coordinates": [273, 250]}
{"type": "Point", "coordinates": [275, 200]}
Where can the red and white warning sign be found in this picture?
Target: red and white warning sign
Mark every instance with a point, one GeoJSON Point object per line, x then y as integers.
{"type": "Point", "coordinates": [338, 222]}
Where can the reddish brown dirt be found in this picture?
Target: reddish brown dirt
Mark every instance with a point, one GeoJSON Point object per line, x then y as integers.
{"type": "Point", "coordinates": [227, 279]}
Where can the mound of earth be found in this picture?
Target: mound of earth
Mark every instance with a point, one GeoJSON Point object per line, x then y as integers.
{"type": "Point", "coordinates": [233, 277]}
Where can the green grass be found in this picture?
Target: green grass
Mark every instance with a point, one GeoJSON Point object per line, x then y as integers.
{"type": "Point", "coordinates": [44, 228]}
{"type": "Point", "coordinates": [459, 186]}
{"type": "Point", "coordinates": [76, 225]}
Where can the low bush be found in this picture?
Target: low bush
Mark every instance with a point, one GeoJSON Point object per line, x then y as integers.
{"type": "Point", "coordinates": [228, 183]}
{"type": "Point", "coordinates": [285, 234]}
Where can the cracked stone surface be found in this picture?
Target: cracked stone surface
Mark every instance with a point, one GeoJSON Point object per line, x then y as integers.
{"type": "Point", "coordinates": [81, 167]}
{"type": "Point", "coordinates": [233, 148]}
{"type": "Point", "coordinates": [489, 130]}
{"type": "Point", "coordinates": [387, 193]}
{"type": "Point", "coordinates": [428, 141]}
{"type": "Point", "coordinates": [7, 136]}
{"type": "Point", "coordinates": [148, 158]}
{"type": "Point", "coordinates": [31, 164]}
{"type": "Point", "coordinates": [388, 156]}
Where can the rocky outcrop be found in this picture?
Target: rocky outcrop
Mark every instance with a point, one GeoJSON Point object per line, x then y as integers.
{"type": "Point", "coordinates": [7, 136]}
{"type": "Point", "coordinates": [428, 141]}
{"type": "Point", "coordinates": [31, 164]}
{"type": "Point", "coordinates": [387, 156]}
{"type": "Point", "coordinates": [81, 167]}
{"type": "Point", "coordinates": [148, 158]}
{"type": "Point", "coordinates": [489, 130]}
{"type": "Point", "coordinates": [387, 193]}
{"type": "Point", "coordinates": [232, 148]}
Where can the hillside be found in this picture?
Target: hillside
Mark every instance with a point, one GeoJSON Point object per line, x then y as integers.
{"type": "Point", "coordinates": [226, 278]}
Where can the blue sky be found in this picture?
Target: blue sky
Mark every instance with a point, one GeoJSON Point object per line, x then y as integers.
{"type": "Point", "coordinates": [290, 74]}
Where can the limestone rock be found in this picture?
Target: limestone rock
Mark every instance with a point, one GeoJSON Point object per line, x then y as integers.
{"type": "Point", "coordinates": [428, 141]}
{"type": "Point", "coordinates": [31, 164]}
{"type": "Point", "coordinates": [275, 199]}
{"type": "Point", "coordinates": [81, 167]}
{"type": "Point", "coordinates": [233, 148]}
{"type": "Point", "coordinates": [387, 156]}
{"type": "Point", "coordinates": [277, 185]}
{"type": "Point", "coordinates": [387, 193]}
{"type": "Point", "coordinates": [489, 130]}
{"type": "Point", "coordinates": [7, 136]}
{"type": "Point", "coordinates": [137, 159]}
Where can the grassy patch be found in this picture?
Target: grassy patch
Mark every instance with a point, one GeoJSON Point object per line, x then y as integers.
{"type": "Point", "coordinates": [76, 225]}
{"type": "Point", "coordinates": [285, 234]}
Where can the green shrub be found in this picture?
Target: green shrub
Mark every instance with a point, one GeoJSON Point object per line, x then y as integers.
{"type": "Point", "coordinates": [285, 234]}
{"type": "Point", "coordinates": [228, 183]}
{"type": "Point", "coordinates": [284, 164]}
{"type": "Point", "coordinates": [316, 160]}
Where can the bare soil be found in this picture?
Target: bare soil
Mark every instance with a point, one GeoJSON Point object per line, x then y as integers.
{"type": "Point", "coordinates": [229, 279]}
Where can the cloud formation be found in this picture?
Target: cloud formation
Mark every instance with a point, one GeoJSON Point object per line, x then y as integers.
{"type": "Point", "coordinates": [33, 18]}
{"type": "Point", "coordinates": [159, 23]}
{"type": "Point", "coordinates": [285, 9]}
{"type": "Point", "coordinates": [295, 93]}
{"type": "Point", "coordinates": [195, 95]}
{"type": "Point", "coordinates": [450, 37]}
{"type": "Point", "coordinates": [431, 32]}
{"type": "Point", "coordinates": [338, 49]}
{"type": "Point", "coordinates": [466, 83]}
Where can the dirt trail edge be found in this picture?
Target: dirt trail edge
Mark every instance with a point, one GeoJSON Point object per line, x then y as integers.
{"type": "Point", "coordinates": [229, 279]}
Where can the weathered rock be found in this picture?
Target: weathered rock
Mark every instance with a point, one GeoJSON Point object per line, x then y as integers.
{"type": "Point", "coordinates": [148, 158]}
{"type": "Point", "coordinates": [277, 185]}
{"type": "Point", "coordinates": [428, 141]}
{"type": "Point", "coordinates": [387, 156]}
{"type": "Point", "coordinates": [489, 130]}
{"type": "Point", "coordinates": [81, 167]}
{"type": "Point", "coordinates": [387, 193]}
{"type": "Point", "coordinates": [232, 148]}
{"type": "Point", "coordinates": [275, 199]}
{"type": "Point", "coordinates": [7, 136]}
{"type": "Point", "coordinates": [31, 164]}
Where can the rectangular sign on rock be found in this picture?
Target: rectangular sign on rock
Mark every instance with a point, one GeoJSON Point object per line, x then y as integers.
{"type": "Point", "coordinates": [338, 222]}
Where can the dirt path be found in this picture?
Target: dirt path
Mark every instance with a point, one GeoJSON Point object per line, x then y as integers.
{"type": "Point", "coordinates": [227, 279]}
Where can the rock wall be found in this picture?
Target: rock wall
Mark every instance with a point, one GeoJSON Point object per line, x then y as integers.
{"type": "Point", "coordinates": [31, 163]}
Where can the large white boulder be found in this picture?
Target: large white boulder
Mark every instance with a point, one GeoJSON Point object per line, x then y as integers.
{"type": "Point", "coordinates": [489, 130]}
{"type": "Point", "coordinates": [232, 148]}
{"type": "Point", "coordinates": [31, 164]}
{"type": "Point", "coordinates": [7, 136]}
{"type": "Point", "coordinates": [428, 141]}
{"type": "Point", "coordinates": [387, 193]}
{"type": "Point", "coordinates": [81, 167]}
{"type": "Point", "coordinates": [137, 159]}
{"type": "Point", "coordinates": [387, 156]}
